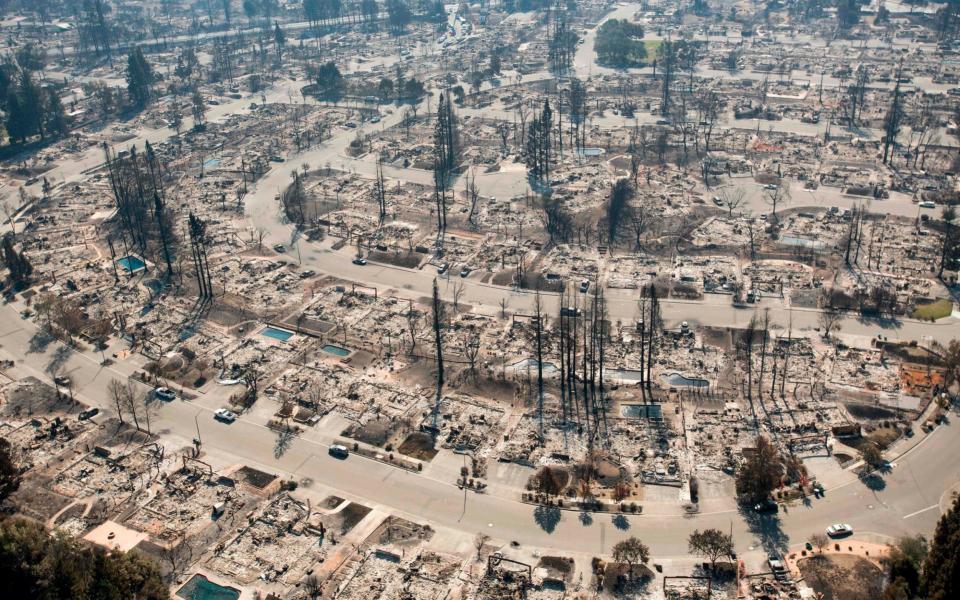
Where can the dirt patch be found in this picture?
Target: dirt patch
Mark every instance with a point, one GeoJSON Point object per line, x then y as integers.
{"type": "Point", "coordinates": [375, 433]}
{"type": "Point", "coordinates": [869, 412]}
{"type": "Point", "coordinates": [842, 577]}
{"type": "Point", "coordinates": [418, 445]}
{"type": "Point", "coordinates": [408, 260]}
{"type": "Point", "coordinates": [351, 515]}
{"type": "Point", "coordinates": [257, 479]}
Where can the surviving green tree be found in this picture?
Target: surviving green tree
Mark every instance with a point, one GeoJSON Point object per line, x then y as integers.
{"type": "Point", "coordinates": [139, 78]}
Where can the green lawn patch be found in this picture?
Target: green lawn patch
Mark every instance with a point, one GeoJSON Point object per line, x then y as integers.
{"type": "Point", "coordinates": [934, 310]}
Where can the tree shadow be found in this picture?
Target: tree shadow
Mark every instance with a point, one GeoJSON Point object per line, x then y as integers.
{"type": "Point", "coordinates": [285, 437]}
{"type": "Point", "coordinates": [768, 529]}
{"type": "Point", "coordinates": [547, 517]}
{"type": "Point", "coordinates": [39, 342]}
{"type": "Point", "coordinates": [586, 519]}
{"type": "Point", "coordinates": [621, 522]}
{"type": "Point", "coordinates": [874, 481]}
{"type": "Point", "coordinates": [60, 357]}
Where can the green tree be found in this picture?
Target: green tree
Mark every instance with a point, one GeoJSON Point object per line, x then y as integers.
{"type": "Point", "coordinates": [631, 552]}
{"type": "Point", "coordinates": [9, 471]}
{"type": "Point", "coordinates": [329, 81]}
{"type": "Point", "coordinates": [38, 565]}
{"type": "Point", "coordinates": [139, 78]}
{"type": "Point", "coordinates": [871, 454]}
{"type": "Point", "coordinates": [711, 544]}
{"type": "Point", "coordinates": [904, 561]}
{"type": "Point", "coordinates": [279, 40]}
{"type": "Point", "coordinates": [16, 262]}
{"type": "Point", "coordinates": [940, 577]}
{"type": "Point", "coordinates": [761, 472]}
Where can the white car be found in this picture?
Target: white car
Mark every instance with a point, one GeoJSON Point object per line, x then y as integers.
{"type": "Point", "coordinates": [165, 393]}
{"type": "Point", "coordinates": [227, 416]}
{"type": "Point", "coordinates": [839, 529]}
{"type": "Point", "coordinates": [928, 204]}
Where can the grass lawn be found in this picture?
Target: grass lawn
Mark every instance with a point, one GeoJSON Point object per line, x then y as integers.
{"type": "Point", "coordinates": [935, 310]}
{"type": "Point", "coordinates": [651, 46]}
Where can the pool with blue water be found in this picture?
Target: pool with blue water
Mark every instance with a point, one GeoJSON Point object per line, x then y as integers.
{"type": "Point", "coordinates": [131, 264]}
{"type": "Point", "coordinates": [278, 334]}
{"type": "Point", "coordinates": [201, 588]}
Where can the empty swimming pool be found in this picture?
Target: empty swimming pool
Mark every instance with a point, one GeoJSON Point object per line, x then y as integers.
{"type": "Point", "coordinates": [679, 379]}
{"type": "Point", "coordinates": [641, 411]}
{"type": "Point", "coordinates": [201, 588]}
{"type": "Point", "coordinates": [277, 334]}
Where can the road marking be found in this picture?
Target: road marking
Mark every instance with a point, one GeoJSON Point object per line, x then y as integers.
{"type": "Point", "coordinates": [922, 510]}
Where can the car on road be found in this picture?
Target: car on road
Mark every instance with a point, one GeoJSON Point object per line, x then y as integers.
{"type": "Point", "coordinates": [465, 271]}
{"type": "Point", "coordinates": [165, 393]}
{"type": "Point", "coordinates": [360, 261]}
{"type": "Point", "coordinates": [584, 286]}
{"type": "Point", "coordinates": [339, 451]}
{"type": "Point", "coordinates": [62, 380]}
{"type": "Point", "coordinates": [374, 119]}
{"type": "Point", "coordinates": [89, 413]}
{"type": "Point", "coordinates": [928, 204]}
{"type": "Point", "coordinates": [839, 530]}
{"type": "Point", "coordinates": [769, 186]}
{"type": "Point", "coordinates": [279, 248]}
{"type": "Point", "coordinates": [442, 268]}
{"type": "Point", "coordinates": [307, 274]}
{"type": "Point", "coordinates": [350, 124]}
{"type": "Point", "coordinates": [224, 415]}
{"type": "Point", "coordinates": [718, 200]}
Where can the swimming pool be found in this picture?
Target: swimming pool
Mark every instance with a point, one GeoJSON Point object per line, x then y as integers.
{"type": "Point", "coordinates": [277, 334]}
{"type": "Point", "coordinates": [682, 380]}
{"type": "Point", "coordinates": [201, 588]}
{"type": "Point", "coordinates": [131, 264]}
{"type": "Point", "coordinates": [337, 350]}
{"type": "Point", "coordinates": [531, 364]}
{"type": "Point", "coordinates": [641, 411]}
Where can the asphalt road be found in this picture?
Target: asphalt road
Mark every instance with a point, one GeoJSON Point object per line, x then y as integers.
{"type": "Point", "coordinates": [903, 501]}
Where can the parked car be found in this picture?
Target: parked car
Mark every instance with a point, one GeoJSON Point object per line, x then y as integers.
{"type": "Point", "coordinates": [718, 200]}
{"type": "Point", "coordinates": [584, 286]}
{"type": "Point", "coordinates": [89, 413]}
{"type": "Point", "coordinates": [928, 204]}
{"type": "Point", "coordinates": [464, 271]}
{"type": "Point", "coordinates": [359, 261]}
{"type": "Point", "coordinates": [62, 380]}
{"type": "Point", "coordinates": [165, 393]}
{"type": "Point", "coordinates": [279, 248]}
{"type": "Point", "coordinates": [224, 415]}
{"type": "Point", "coordinates": [442, 268]}
{"type": "Point", "coordinates": [839, 530]}
{"type": "Point", "coordinates": [339, 451]}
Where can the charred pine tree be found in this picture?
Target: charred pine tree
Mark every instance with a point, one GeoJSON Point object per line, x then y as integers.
{"type": "Point", "coordinates": [160, 215]}
{"type": "Point", "coordinates": [381, 192]}
{"type": "Point", "coordinates": [653, 326]}
{"type": "Point", "coordinates": [198, 248]}
{"type": "Point", "coordinates": [538, 319]}
{"type": "Point", "coordinates": [438, 339]}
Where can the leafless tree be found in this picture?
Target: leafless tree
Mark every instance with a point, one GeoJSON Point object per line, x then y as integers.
{"type": "Point", "coordinates": [775, 196]}
{"type": "Point", "coordinates": [479, 542]}
{"type": "Point", "coordinates": [732, 197]}
{"type": "Point", "coordinates": [458, 289]}
{"type": "Point", "coordinates": [830, 314]}
{"type": "Point", "coordinates": [472, 349]}
{"type": "Point", "coordinates": [473, 195]}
